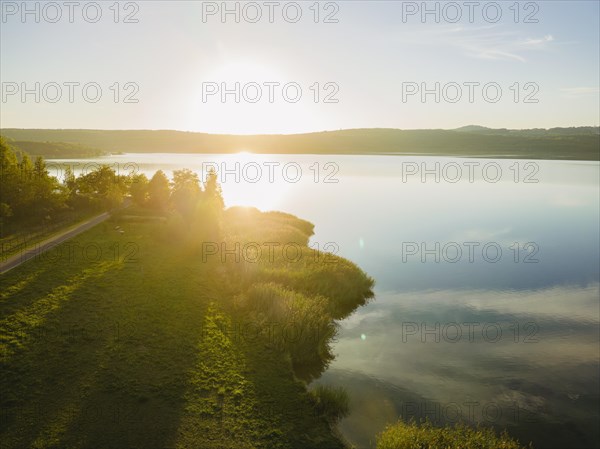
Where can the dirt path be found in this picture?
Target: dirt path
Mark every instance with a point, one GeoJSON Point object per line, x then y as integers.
{"type": "Point", "coordinates": [45, 245]}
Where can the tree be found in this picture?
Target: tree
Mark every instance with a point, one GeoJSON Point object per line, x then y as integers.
{"type": "Point", "coordinates": [213, 191]}
{"type": "Point", "coordinates": [25, 193]}
{"type": "Point", "coordinates": [138, 188]}
{"type": "Point", "coordinates": [159, 191]}
{"type": "Point", "coordinates": [8, 158]}
{"type": "Point", "coordinates": [70, 182]}
{"type": "Point", "coordinates": [39, 168]}
{"type": "Point", "coordinates": [5, 212]}
{"type": "Point", "coordinates": [113, 197]}
{"type": "Point", "coordinates": [186, 193]}
{"type": "Point", "coordinates": [210, 210]}
{"type": "Point", "coordinates": [103, 187]}
{"type": "Point", "coordinates": [28, 192]}
{"type": "Point", "coordinates": [9, 175]}
{"type": "Point", "coordinates": [26, 166]}
{"type": "Point", "coordinates": [48, 195]}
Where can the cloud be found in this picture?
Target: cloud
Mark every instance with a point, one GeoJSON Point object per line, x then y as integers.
{"type": "Point", "coordinates": [485, 42]}
{"type": "Point", "coordinates": [501, 46]}
{"type": "Point", "coordinates": [482, 234]}
{"type": "Point", "coordinates": [498, 54]}
{"type": "Point", "coordinates": [537, 42]}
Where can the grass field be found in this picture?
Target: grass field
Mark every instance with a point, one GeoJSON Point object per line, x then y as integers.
{"type": "Point", "coordinates": [21, 238]}
{"type": "Point", "coordinates": [130, 340]}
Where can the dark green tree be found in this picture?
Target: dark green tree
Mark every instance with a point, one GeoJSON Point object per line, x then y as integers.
{"type": "Point", "coordinates": [70, 182]}
{"type": "Point", "coordinates": [159, 191]}
{"type": "Point", "coordinates": [103, 187]}
{"type": "Point", "coordinates": [29, 195]}
{"type": "Point", "coordinates": [138, 188]}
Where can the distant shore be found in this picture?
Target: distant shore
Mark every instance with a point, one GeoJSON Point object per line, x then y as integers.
{"type": "Point", "coordinates": [575, 143]}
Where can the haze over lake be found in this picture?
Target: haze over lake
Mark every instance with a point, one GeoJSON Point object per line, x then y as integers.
{"type": "Point", "coordinates": [487, 281]}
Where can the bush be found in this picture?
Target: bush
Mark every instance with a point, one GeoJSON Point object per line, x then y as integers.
{"type": "Point", "coordinates": [425, 436]}
{"type": "Point", "coordinates": [304, 329]}
{"type": "Point", "coordinates": [256, 226]}
{"type": "Point", "coordinates": [331, 402]}
{"type": "Point", "coordinates": [344, 284]}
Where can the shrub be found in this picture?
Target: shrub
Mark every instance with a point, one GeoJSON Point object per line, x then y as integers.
{"type": "Point", "coordinates": [304, 328]}
{"type": "Point", "coordinates": [344, 284]}
{"type": "Point", "coordinates": [256, 226]}
{"type": "Point", "coordinates": [425, 436]}
{"type": "Point", "coordinates": [331, 402]}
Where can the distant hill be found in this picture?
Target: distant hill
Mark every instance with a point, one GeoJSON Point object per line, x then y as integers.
{"type": "Point", "coordinates": [55, 150]}
{"type": "Point", "coordinates": [557, 143]}
{"type": "Point", "coordinates": [535, 132]}
{"type": "Point", "coordinates": [473, 128]}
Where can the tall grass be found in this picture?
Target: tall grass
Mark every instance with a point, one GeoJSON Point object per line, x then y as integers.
{"type": "Point", "coordinates": [425, 436]}
{"type": "Point", "coordinates": [301, 324]}
{"type": "Point", "coordinates": [301, 289]}
{"type": "Point", "coordinates": [331, 402]}
{"type": "Point", "coordinates": [344, 285]}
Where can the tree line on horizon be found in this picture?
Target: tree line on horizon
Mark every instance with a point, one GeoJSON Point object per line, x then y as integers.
{"type": "Point", "coordinates": [575, 143]}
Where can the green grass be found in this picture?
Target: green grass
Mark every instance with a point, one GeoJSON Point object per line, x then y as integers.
{"type": "Point", "coordinates": [19, 238]}
{"type": "Point", "coordinates": [425, 436]}
{"type": "Point", "coordinates": [332, 402]}
{"type": "Point", "coordinates": [139, 345]}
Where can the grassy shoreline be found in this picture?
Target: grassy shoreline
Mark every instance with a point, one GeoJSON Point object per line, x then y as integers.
{"type": "Point", "coordinates": [133, 340]}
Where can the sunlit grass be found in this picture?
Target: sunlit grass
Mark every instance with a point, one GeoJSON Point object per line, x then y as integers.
{"type": "Point", "coordinates": [228, 397]}
{"type": "Point", "coordinates": [19, 285]}
{"type": "Point", "coordinates": [426, 436]}
{"type": "Point", "coordinates": [17, 329]}
{"type": "Point", "coordinates": [108, 353]}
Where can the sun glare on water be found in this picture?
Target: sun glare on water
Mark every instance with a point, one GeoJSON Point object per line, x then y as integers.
{"type": "Point", "coordinates": [249, 179]}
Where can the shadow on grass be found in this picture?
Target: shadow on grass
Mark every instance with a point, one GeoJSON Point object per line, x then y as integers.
{"type": "Point", "coordinates": [109, 362]}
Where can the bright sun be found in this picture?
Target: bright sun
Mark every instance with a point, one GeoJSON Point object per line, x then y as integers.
{"type": "Point", "coordinates": [247, 97]}
{"type": "Point", "coordinates": [244, 72]}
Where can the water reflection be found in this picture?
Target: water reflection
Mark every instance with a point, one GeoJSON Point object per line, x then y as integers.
{"type": "Point", "coordinates": [524, 360]}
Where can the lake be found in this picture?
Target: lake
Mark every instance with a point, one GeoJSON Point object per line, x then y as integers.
{"type": "Point", "coordinates": [487, 282]}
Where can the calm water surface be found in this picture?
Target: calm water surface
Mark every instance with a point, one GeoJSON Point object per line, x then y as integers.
{"type": "Point", "coordinates": [487, 282]}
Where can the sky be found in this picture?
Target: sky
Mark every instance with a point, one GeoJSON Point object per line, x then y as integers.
{"type": "Point", "coordinates": [288, 67]}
